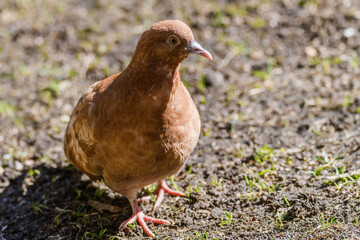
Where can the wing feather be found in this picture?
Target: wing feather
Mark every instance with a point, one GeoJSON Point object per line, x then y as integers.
{"type": "Point", "coordinates": [79, 142]}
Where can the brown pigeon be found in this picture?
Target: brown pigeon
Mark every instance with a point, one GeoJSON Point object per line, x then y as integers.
{"type": "Point", "coordinates": [139, 126]}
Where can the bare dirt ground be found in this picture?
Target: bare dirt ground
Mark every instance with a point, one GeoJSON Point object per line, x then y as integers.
{"type": "Point", "coordinates": [279, 153]}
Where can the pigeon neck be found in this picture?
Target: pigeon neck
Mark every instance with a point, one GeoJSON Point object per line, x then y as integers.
{"type": "Point", "coordinates": [155, 73]}
{"type": "Point", "coordinates": [157, 84]}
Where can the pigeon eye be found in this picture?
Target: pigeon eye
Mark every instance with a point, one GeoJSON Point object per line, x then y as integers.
{"type": "Point", "coordinates": [173, 40]}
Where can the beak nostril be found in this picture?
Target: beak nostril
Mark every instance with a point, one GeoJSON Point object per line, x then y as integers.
{"type": "Point", "coordinates": [194, 47]}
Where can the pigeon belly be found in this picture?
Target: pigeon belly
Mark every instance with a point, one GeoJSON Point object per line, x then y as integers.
{"type": "Point", "coordinates": [152, 146]}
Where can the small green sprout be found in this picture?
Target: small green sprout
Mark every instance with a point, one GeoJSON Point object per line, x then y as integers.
{"type": "Point", "coordinates": [34, 172]}
{"type": "Point", "coordinates": [188, 171]}
{"type": "Point", "coordinates": [202, 83]}
{"type": "Point", "coordinates": [279, 221]}
{"type": "Point", "coordinates": [264, 154]}
{"type": "Point", "coordinates": [98, 236]}
{"type": "Point", "coordinates": [9, 110]}
{"type": "Point", "coordinates": [79, 212]}
{"type": "Point", "coordinates": [197, 188]}
{"type": "Point", "coordinates": [274, 188]}
{"type": "Point", "coordinates": [207, 132]}
{"type": "Point", "coordinates": [229, 219]}
{"type": "Point", "coordinates": [173, 183]}
{"type": "Point", "coordinates": [36, 206]}
{"type": "Point", "coordinates": [347, 101]}
{"type": "Point", "coordinates": [78, 193]}
{"type": "Point", "coordinates": [100, 192]}
{"type": "Point", "coordinates": [264, 172]}
{"type": "Point", "coordinates": [258, 22]}
{"type": "Point", "coordinates": [56, 220]}
{"type": "Point", "coordinates": [261, 74]}
{"type": "Point", "coordinates": [248, 183]}
{"type": "Point", "coordinates": [216, 182]}
{"type": "Point", "coordinates": [325, 223]}
{"type": "Point", "coordinates": [189, 190]}
{"type": "Point", "coordinates": [204, 236]}
{"type": "Point", "coordinates": [132, 225]}
{"type": "Point", "coordinates": [355, 60]}
{"type": "Point", "coordinates": [286, 201]}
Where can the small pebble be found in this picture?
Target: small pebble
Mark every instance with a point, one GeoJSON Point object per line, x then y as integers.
{"type": "Point", "coordinates": [188, 221]}
{"type": "Point", "coordinates": [310, 51]}
{"type": "Point", "coordinates": [19, 166]}
{"type": "Point", "coordinates": [216, 212]}
{"type": "Point", "coordinates": [349, 32]}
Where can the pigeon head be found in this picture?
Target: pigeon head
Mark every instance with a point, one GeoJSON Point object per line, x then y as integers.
{"type": "Point", "coordinates": [167, 43]}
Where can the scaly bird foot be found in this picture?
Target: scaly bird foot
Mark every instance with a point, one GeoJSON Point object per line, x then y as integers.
{"type": "Point", "coordinates": [140, 217]}
{"type": "Point", "coordinates": [162, 188]}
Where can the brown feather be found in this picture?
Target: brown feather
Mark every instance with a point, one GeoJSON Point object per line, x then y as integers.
{"type": "Point", "coordinates": [140, 126]}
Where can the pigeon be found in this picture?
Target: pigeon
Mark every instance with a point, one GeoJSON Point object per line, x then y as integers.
{"type": "Point", "coordinates": [139, 126]}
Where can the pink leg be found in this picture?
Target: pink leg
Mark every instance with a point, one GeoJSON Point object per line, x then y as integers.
{"type": "Point", "coordinates": [162, 187]}
{"type": "Point", "coordinates": [140, 217]}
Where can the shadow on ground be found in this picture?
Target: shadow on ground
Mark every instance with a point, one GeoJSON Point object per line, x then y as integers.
{"type": "Point", "coordinates": [55, 199]}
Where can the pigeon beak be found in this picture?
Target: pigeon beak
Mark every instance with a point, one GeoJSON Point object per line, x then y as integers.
{"type": "Point", "coordinates": [194, 47]}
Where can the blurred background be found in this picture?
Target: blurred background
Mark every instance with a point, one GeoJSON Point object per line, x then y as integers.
{"type": "Point", "coordinates": [280, 109]}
